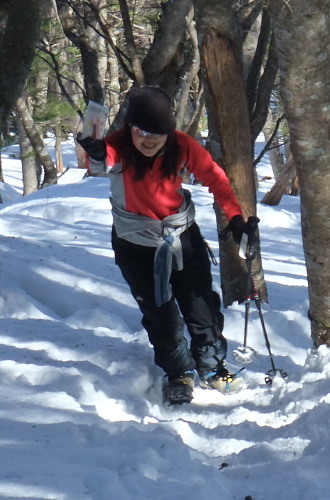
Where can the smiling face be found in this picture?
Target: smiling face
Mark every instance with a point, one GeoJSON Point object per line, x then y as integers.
{"type": "Point", "coordinates": [148, 144]}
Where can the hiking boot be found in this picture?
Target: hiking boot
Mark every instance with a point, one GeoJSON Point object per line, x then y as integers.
{"type": "Point", "coordinates": [223, 381]}
{"type": "Point", "coordinates": [180, 388]}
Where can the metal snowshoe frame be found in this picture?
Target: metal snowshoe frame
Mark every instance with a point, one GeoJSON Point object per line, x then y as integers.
{"type": "Point", "coordinates": [247, 251]}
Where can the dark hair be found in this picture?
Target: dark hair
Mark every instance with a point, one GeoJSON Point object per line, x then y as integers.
{"type": "Point", "coordinates": [132, 158]}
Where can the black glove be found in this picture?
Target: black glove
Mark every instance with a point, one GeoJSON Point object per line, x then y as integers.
{"type": "Point", "coordinates": [236, 227]}
{"type": "Point", "coordinates": [94, 147]}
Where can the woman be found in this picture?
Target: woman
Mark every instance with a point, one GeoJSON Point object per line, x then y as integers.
{"type": "Point", "coordinates": [157, 243]}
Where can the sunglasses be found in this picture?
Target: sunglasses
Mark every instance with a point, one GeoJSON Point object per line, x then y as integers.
{"type": "Point", "coordinates": [144, 133]}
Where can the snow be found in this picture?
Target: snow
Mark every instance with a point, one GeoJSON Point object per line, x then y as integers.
{"type": "Point", "coordinates": [80, 397]}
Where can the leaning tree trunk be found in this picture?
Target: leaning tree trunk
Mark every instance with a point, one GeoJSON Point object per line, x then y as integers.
{"type": "Point", "coordinates": [302, 36]}
{"type": "Point", "coordinates": [29, 167]}
{"type": "Point", "coordinates": [229, 122]}
{"type": "Point", "coordinates": [42, 155]}
{"type": "Point", "coordinates": [283, 181]}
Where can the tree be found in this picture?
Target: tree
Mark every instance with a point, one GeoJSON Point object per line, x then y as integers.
{"type": "Point", "coordinates": [302, 38]}
{"type": "Point", "coordinates": [31, 179]}
{"type": "Point", "coordinates": [160, 56]}
{"type": "Point", "coordinates": [77, 22]}
{"type": "Point", "coordinates": [36, 141]}
{"type": "Point", "coordinates": [160, 65]}
{"type": "Point", "coordinates": [17, 46]}
{"type": "Point", "coordinates": [229, 125]}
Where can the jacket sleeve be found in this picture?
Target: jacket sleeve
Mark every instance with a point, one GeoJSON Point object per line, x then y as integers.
{"type": "Point", "coordinates": [96, 168]}
{"type": "Point", "coordinates": [200, 163]}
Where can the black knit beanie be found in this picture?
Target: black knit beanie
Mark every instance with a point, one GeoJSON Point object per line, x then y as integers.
{"type": "Point", "coordinates": [150, 109]}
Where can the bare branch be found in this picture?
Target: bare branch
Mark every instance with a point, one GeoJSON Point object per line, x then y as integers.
{"type": "Point", "coordinates": [55, 67]}
{"type": "Point", "coordinates": [107, 36]}
{"type": "Point", "coordinates": [136, 65]}
{"type": "Point", "coordinates": [267, 146]}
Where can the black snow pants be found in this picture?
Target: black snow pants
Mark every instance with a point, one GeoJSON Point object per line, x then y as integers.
{"type": "Point", "coordinates": [192, 296]}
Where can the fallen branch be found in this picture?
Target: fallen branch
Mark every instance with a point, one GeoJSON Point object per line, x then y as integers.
{"type": "Point", "coordinates": [285, 177]}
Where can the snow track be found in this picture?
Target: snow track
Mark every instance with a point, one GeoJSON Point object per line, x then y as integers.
{"type": "Point", "coordinates": [80, 397]}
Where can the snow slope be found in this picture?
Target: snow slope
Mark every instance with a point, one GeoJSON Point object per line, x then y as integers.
{"type": "Point", "coordinates": [80, 397]}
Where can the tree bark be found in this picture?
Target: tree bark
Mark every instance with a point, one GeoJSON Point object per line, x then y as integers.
{"type": "Point", "coordinates": [302, 37]}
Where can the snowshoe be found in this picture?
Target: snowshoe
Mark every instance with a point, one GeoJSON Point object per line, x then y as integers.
{"type": "Point", "coordinates": [223, 381]}
{"type": "Point", "coordinates": [180, 388]}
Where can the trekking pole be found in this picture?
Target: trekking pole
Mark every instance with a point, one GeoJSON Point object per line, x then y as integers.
{"type": "Point", "coordinates": [250, 253]}
{"type": "Point", "coordinates": [271, 374]}
{"type": "Point", "coordinates": [247, 251]}
{"type": "Point", "coordinates": [243, 353]}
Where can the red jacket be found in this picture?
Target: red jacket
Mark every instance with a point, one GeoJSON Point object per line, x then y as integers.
{"type": "Point", "coordinates": [158, 197]}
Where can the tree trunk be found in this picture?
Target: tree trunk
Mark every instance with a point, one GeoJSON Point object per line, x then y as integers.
{"type": "Point", "coordinates": [264, 91]}
{"type": "Point", "coordinates": [229, 124]}
{"type": "Point", "coordinates": [302, 37]}
{"type": "Point", "coordinates": [29, 168]}
{"type": "Point", "coordinates": [50, 175]}
{"type": "Point", "coordinates": [16, 51]}
{"type": "Point", "coordinates": [187, 82]}
{"type": "Point", "coordinates": [260, 66]}
{"type": "Point", "coordinates": [130, 42]}
{"type": "Point", "coordinates": [58, 148]}
{"type": "Point", "coordinates": [77, 24]}
{"type": "Point", "coordinates": [113, 92]}
{"type": "Point", "coordinates": [172, 27]}
{"type": "Point", "coordinates": [1, 171]}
